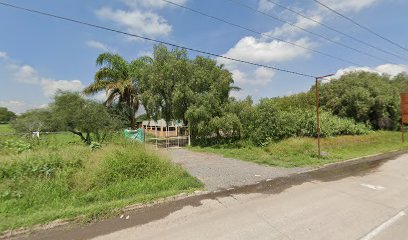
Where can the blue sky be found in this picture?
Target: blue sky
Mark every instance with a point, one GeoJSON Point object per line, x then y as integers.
{"type": "Point", "coordinates": [39, 55]}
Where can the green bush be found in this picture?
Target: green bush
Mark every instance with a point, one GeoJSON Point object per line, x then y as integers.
{"type": "Point", "coordinates": [274, 124]}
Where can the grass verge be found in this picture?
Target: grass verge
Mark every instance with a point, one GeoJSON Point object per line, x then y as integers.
{"type": "Point", "coordinates": [58, 179]}
{"type": "Point", "coordinates": [301, 152]}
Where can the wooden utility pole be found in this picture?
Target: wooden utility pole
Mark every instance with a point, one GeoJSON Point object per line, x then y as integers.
{"type": "Point", "coordinates": [318, 112]}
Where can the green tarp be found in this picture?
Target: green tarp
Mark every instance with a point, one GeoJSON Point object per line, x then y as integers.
{"type": "Point", "coordinates": [134, 134]}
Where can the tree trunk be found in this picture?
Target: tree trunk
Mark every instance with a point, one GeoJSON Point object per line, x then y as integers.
{"type": "Point", "coordinates": [88, 138]}
{"type": "Point", "coordinates": [84, 139]}
{"type": "Point", "coordinates": [133, 120]}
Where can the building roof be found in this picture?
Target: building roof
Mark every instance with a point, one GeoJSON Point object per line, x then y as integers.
{"type": "Point", "coordinates": [162, 123]}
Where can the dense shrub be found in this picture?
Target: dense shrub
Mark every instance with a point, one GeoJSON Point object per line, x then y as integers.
{"type": "Point", "coordinates": [365, 97]}
{"type": "Point", "coordinates": [274, 124]}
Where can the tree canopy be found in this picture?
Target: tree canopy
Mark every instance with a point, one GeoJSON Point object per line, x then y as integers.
{"type": "Point", "coordinates": [366, 97]}
{"type": "Point", "coordinates": [6, 115]}
{"type": "Point", "coordinates": [116, 77]}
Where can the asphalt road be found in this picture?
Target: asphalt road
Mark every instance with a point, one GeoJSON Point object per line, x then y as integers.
{"type": "Point", "coordinates": [371, 204]}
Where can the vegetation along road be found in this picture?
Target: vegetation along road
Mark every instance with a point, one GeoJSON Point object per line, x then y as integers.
{"type": "Point", "coordinates": [69, 161]}
{"type": "Point", "coordinates": [368, 199]}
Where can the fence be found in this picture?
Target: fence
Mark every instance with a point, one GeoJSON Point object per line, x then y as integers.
{"type": "Point", "coordinates": [167, 138]}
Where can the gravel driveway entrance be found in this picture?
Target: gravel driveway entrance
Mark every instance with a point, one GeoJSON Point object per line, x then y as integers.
{"type": "Point", "coordinates": [217, 172]}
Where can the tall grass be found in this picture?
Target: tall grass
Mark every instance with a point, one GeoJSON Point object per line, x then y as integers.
{"type": "Point", "coordinates": [302, 151]}
{"type": "Point", "coordinates": [53, 181]}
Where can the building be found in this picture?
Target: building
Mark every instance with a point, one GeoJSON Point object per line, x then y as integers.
{"type": "Point", "coordinates": [159, 129]}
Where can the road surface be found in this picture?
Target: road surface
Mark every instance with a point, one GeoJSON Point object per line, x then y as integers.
{"type": "Point", "coordinates": [365, 201]}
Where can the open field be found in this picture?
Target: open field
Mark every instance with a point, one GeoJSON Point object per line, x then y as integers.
{"type": "Point", "coordinates": [57, 177]}
{"type": "Point", "coordinates": [302, 152]}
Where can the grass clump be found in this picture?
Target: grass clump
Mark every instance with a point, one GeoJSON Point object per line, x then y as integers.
{"type": "Point", "coordinates": [49, 182]}
{"type": "Point", "coordinates": [302, 151]}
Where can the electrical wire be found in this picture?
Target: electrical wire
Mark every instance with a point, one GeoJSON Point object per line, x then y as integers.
{"type": "Point", "coordinates": [270, 36]}
{"type": "Point", "coordinates": [360, 25]}
{"type": "Point", "coordinates": [153, 40]}
{"type": "Point", "coordinates": [238, 2]}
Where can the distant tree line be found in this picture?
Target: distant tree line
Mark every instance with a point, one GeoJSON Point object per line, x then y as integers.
{"type": "Point", "coordinates": [6, 115]}
{"type": "Point", "coordinates": [171, 85]}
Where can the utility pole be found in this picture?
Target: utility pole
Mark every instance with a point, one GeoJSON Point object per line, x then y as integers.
{"type": "Point", "coordinates": [318, 112]}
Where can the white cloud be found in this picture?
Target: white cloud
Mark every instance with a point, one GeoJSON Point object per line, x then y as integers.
{"type": "Point", "coordinates": [348, 5]}
{"type": "Point", "coordinates": [19, 106]}
{"type": "Point", "coordinates": [287, 30]}
{"type": "Point", "coordinates": [100, 97]}
{"type": "Point", "coordinates": [261, 76]}
{"type": "Point", "coordinates": [259, 51]}
{"type": "Point", "coordinates": [3, 54]}
{"type": "Point", "coordinates": [136, 21]}
{"type": "Point", "coordinates": [389, 69]}
{"type": "Point", "coordinates": [265, 6]}
{"type": "Point", "coordinates": [25, 74]}
{"type": "Point", "coordinates": [50, 86]}
{"type": "Point", "coordinates": [97, 45]}
{"type": "Point", "coordinates": [151, 3]}
{"type": "Point", "coordinates": [29, 75]}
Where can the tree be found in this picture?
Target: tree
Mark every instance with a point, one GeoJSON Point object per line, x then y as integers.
{"type": "Point", "coordinates": [86, 118]}
{"type": "Point", "coordinates": [209, 86]}
{"type": "Point", "coordinates": [365, 97]}
{"type": "Point", "coordinates": [37, 120]}
{"type": "Point", "coordinates": [6, 115]}
{"type": "Point", "coordinates": [164, 76]}
{"type": "Point", "coordinates": [117, 77]}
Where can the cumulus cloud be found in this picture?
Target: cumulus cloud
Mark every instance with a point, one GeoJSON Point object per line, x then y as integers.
{"type": "Point", "coordinates": [287, 30]}
{"type": "Point", "coordinates": [348, 5]}
{"type": "Point", "coordinates": [260, 76]}
{"type": "Point", "coordinates": [389, 69]}
{"type": "Point", "coordinates": [27, 74]}
{"type": "Point", "coordinates": [3, 54]}
{"type": "Point", "coordinates": [136, 21]}
{"type": "Point", "coordinates": [50, 86]}
{"type": "Point", "coordinates": [151, 3]}
{"type": "Point", "coordinates": [19, 106]}
{"type": "Point", "coordinates": [260, 51]}
{"type": "Point", "coordinates": [319, 13]}
{"type": "Point", "coordinates": [97, 45]}
{"type": "Point", "coordinates": [265, 5]}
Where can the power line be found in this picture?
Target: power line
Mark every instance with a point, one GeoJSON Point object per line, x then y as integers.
{"type": "Point", "coordinates": [269, 36]}
{"type": "Point", "coordinates": [152, 40]}
{"type": "Point", "coordinates": [360, 25]}
{"type": "Point", "coordinates": [238, 2]}
{"type": "Point", "coordinates": [327, 26]}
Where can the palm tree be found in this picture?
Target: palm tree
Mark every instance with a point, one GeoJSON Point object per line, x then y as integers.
{"type": "Point", "coordinates": [116, 77]}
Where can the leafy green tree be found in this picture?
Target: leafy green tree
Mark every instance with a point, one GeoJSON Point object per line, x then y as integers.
{"type": "Point", "coordinates": [209, 90]}
{"type": "Point", "coordinates": [164, 76]}
{"type": "Point", "coordinates": [365, 97]}
{"type": "Point", "coordinates": [174, 87]}
{"type": "Point", "coordinates": [116, 77]}
{"type": "Point", "coordinates": [6, 115]}
{"type": "Point", "coordinates": [88, 119]}
{"type": "Point", "coordinates": [35, 120]}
